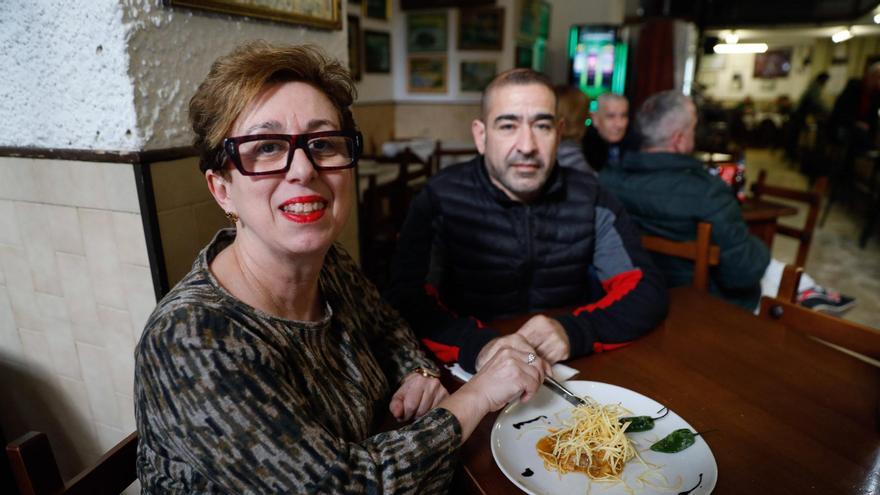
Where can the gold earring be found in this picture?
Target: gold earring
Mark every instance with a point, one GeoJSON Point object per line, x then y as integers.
{"type": "Point", "coordinates": [232, 217]}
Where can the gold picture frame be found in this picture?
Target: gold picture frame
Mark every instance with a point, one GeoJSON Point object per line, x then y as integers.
{"type": "Point", "coordinates": [323, 14]}
{"type": "Point", "coordinates": [377, 9]}
{"type": "Point", "coordinates": [426, 74]}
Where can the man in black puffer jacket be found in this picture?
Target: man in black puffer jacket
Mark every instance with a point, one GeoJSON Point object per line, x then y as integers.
{"type": "Point", "coordinates": [512, 233]}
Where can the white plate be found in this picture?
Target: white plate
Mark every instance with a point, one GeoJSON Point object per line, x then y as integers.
{"type": "Point", "coordinates": [514, 449]}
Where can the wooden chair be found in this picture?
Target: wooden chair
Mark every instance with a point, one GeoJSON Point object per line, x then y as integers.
{"type": "Point", "coordinates": [384, 208]}
{"type": "Point", "coordinates": [36, 472]}
{"type": "Point", "coordinates": [701, 251]}
{"type": "Point", "coordinates": [440, 153]}
{"type": "Point", "coordinates": [846, 334]}
{"type": "Point", "coordinates": [788, 284]}
{"type": "Point", "coordinates": [813, 198]}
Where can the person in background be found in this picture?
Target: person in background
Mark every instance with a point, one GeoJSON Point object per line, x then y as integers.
{"type": "Point", "coordinates": [810, 104]}
{"type": "Point", "coordinates": [512, 233]}
{"type": "Point", "coordinates": [608, 139]}
{"type": "Point", "coordinates": [261, 371]}
{"type": "Point", "coordinates": [574, 106]}
{"type": "Point", "coordinates": [854, 117]}
{"type": "Point", "coordinates": [667, 192]}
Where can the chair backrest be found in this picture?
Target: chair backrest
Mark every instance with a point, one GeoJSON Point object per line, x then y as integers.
{"type": "Point", "coordinates": [701, 251]}
{"type": "Point", "coordinates": [788, 284]}
{"type": "Point", "coordinates": [813, 198]}
{"type": "Point", "coordinates": [388, 203]}
{"type": "Point", "coordinates": [36, 472]}
{"type": "Point", "coordinates": [847, 334]}
{"type": "Point", "coordinates": [440, 153]}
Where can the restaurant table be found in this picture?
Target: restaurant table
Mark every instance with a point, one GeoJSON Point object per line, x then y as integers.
{"type": "Point", "coordinates": [761, 217]}
{"type": "Point", "coordinates": [788, 413]}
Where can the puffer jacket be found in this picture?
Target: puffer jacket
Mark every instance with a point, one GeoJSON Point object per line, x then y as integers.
{"type": "Point", "coordinates": [467, 254]}
{"type": "Point", "coordinates": [667, 194]}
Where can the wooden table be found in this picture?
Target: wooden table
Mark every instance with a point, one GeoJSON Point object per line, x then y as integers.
{"type": "Point", "coordinates": [791, 415]}
{"type": "Point", "coordinates": [761, 217]}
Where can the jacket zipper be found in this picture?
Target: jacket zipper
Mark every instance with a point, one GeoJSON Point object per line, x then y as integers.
{"type": "Point", "coordinates": [530, 262]}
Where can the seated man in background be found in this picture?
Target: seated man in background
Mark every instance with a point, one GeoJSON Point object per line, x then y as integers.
{"type": "Point", "coordinates": [511, 233]}
{"type": "Point", "coordinates": [668, 192]}
{"type": "Point", "coordinates": [608, 138]}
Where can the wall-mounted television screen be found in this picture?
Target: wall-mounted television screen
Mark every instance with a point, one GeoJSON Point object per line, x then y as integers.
{"type": "Point", "coordinates": [597, 59]}
{"type": "Point", "coordinates": [773, 63]}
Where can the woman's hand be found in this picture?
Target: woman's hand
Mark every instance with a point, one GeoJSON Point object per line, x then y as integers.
{"type": "Point", "coordinates": [514, 340]}
{"type": "Point", "coordinates": [416, 396]}
{"type": "Point", "coordinates": [507, 375]}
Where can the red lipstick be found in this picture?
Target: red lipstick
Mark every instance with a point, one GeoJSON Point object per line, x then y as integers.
{"type": "Point", "coordinates": [312, 209]}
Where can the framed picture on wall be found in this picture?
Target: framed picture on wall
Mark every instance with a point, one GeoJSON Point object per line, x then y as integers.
{"type": "Point", "coordinates": [528, 19]}
{"type": "Point", "coordinates": [377, 9]}
{"type": "Point", "coordinates": [426, 32]}
{"type": "Point", "coordinates": [426, 74]}
{"type": "Point", "coordinates": [544, 11]}
{"type": "Point", "coordinates": [314, 13]}
{"type": "Point", "coordinates": [772, 64]}
{"type": "Point", "coordinates": [477, 74]}
{"type": "Point", "coordinates": [523, 56]}
{"type": "Point", "coordinates": [354, 47]}
{"type": "Point", "coordinates": [377, 52]}
{"type": "Point", "coordinates": [481, 29]}
{"type": "Point", "coordinates": [438, 4]}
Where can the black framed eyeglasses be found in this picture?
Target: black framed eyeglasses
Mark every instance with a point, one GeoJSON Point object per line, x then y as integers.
{"type": "Point", "coordinates": [266, 154]}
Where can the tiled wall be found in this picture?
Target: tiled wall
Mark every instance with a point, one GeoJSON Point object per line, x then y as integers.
{"type": "Point", "coordinates": [381, 122]}
{"type": "Point", "coordinates": [376, 122]}
{"type": "Point", "coordinates": [188, 215]}
{"type": "Point", "coordinates": [75, 292]}
{"type": "Point", "coordinates": [448, 122]}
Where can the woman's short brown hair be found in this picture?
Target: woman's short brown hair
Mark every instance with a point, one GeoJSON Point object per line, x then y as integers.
{"type": "Point", "coordinates": [572, 106]}
{"type": "Point", "coordinates": [237, 78]}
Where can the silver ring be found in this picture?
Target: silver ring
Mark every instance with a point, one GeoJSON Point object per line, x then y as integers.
{"type": "Point", "coordinates": [531, 358]}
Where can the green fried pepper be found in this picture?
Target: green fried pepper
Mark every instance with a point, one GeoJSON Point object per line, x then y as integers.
{"type": "Point", "coordinates": [641, 423]}
{"type": "Point", "coordinates": [676, 441]}
{"type": "Point", "coordinates": [638, 423]}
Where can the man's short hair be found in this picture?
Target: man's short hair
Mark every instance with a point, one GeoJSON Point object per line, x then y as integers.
{"type": "Point", "coordinates": [519, 77]}
{"type": "Point", "coordinates": [660, 116]}
{"type": "Point", "coordinates": [606, 98]}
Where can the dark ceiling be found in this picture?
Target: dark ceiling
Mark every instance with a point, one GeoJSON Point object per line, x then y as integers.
{"type": "Point", "coordinates": [726, 13]}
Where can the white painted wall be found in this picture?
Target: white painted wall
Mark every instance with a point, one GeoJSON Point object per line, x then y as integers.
{"type": "Point", "coordinates": [717, 72]}
{"type": "Point", "coordinates": [116, 74]}
{"type": "Point", "coordinates": [565, 13]}
{"type": "Point", "coordinates": [375, 87]}
{"type": "Point", "coordinates": [65, 80]}
{"type": "Point", "coordinates": [454, 56]}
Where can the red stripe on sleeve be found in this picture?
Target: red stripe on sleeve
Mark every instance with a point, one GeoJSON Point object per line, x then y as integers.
{"type": "Point", "coordinates": [616, 288]}
{"type": "Point", "coordinates": [600, 347]}
{"type": "Point", "coordinates": [445, 353]}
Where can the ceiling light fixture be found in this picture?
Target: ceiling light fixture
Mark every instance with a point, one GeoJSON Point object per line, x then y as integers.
{"type": "Point", "coordinates": [841, 35]}
{"type": "Point", "coordinates": [727, 48]}
{"type": "Point", "coordinates": [731, 38]}
{"type": "Point", "coordinates": [877, 19]}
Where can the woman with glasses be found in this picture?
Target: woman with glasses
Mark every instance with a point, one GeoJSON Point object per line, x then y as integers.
{"type": "Point", "coordinates": [266, 367]}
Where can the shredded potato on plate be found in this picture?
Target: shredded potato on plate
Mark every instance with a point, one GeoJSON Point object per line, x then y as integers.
{"type": "Point", "coordinates": [591, 441]}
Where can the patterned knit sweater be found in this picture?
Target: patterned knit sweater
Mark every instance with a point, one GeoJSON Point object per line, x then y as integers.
{"type": "Point", "coordinates": [229, 399]}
